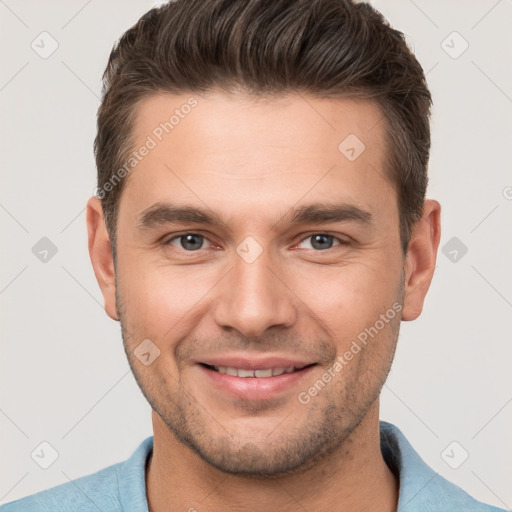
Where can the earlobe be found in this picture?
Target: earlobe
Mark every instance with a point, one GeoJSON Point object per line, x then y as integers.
{"type": "Point", "coordinates": [100, 252]}
{"type": "Point", "coordinates": [420, 261]}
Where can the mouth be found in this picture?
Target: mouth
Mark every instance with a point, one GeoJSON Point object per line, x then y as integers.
{"type": "Point", "coordinates": [264, 373]}
{"type": "Point", "coordinates": [251, 380]}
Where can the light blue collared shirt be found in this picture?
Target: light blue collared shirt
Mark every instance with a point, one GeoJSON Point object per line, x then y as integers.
{"type": "Point", "coordinates": [122, 487]}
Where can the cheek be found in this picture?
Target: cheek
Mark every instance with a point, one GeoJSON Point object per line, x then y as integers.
{"type": "Point", "coordinates": [348, 302]}
{"type": "Point", "coordinates": [350, 292]}
{"type": "Point", "coordinates": [163, 301]}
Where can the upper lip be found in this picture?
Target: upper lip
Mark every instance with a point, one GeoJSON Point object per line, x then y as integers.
{"type": "Point", "coordinates": [245, 362]}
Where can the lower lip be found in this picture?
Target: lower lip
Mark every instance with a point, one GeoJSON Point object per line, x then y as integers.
{"type": "Point", "coordinates": [254, 388]}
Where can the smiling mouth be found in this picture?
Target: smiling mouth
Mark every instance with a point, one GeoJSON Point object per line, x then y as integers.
{"type": "Point", "coordinates": [260, 373]}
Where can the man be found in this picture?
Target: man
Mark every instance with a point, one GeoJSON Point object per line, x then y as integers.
{"type": "Point", "coordinates": [289, 141]}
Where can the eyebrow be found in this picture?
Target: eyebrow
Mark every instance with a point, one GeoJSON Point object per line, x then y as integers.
{"type": "Point", "coordinates": [316, 213]}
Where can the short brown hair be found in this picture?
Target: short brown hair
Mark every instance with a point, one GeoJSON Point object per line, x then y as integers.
{"type": "Point", "coordinates": [325, 48]}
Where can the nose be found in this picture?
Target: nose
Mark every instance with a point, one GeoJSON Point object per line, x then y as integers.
{"type": "Point", "coordinates": [254, 297]}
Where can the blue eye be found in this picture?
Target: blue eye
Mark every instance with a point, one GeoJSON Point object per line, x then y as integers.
{"type": "Point", "coordinates": [322, 241]}
{"type": "Point", "coordinates": [192, 242]}
{"type": "Point", "coordinates": [189, 241]}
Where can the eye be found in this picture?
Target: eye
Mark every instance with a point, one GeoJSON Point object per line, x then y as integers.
{"type": "Point", "coordinates": [192, 242]}
{"type": "Point", "coordinates": [189, 241]}
{"type": "Point", "coordinates": [323, 241]}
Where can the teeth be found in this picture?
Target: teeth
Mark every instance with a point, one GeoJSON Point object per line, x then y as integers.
{"type": "Point", "coordinates": [269, 372]}
{"type": "Point", "coordinates": [263, 373]}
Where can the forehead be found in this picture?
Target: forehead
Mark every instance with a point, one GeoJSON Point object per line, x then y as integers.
{"type": "Point", "coordinates": [217, 121]}
{"type": "Point", "coordinates": [239, 153]}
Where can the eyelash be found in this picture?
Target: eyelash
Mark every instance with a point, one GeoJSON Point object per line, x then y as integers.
{"type": "Point", "coordinates": [341, 241]}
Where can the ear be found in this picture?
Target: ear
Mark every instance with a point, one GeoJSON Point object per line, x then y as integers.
{"type": "Point", "coordinates": [420, 260]}
{"type": "Point", "coordinates": [100, 252]}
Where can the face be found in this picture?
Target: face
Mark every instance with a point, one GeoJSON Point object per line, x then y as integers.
{"type": "Point", "coordinates": [260, 277]}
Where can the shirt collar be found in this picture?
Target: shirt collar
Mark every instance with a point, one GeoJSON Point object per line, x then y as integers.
{"type": "Point", "coordinates": [418, 482]}
{"type": "Point", "coordinates": [412, 472]}
{"type": "Point", "coordinates": [132, 479]}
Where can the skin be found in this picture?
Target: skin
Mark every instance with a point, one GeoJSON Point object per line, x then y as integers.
{"type": "Point", "coordinates": [252, 163]}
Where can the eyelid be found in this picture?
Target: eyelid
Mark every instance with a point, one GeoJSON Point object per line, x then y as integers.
{"type": "Point", "coordinates": [177, 236]}
{"type": "Point", "coordinates": [342, 240]}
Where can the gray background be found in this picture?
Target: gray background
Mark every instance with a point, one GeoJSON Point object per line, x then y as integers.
{"type": "Point", "coordinates": [64, 378]}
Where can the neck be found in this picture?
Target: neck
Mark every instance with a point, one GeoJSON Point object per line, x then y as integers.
{"type": "Point", "coordinates": [353, 478]}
